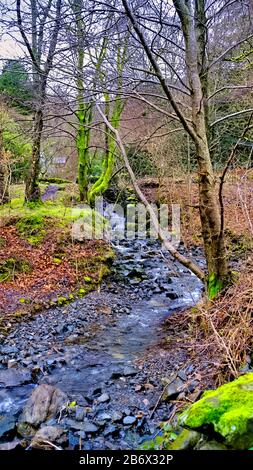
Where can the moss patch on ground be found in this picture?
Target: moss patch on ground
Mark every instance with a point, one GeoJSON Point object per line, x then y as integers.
{"type": "Point", "coordinates": [12, 267]}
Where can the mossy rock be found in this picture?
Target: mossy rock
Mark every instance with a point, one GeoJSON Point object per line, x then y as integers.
{"type": "Point", "coordinates": [228, 411]}
{"type": "Point", "coordinates": [186, 440]}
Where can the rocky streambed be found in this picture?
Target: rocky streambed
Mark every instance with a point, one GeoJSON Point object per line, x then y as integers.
{"type": "Point", "coordinates": [77, 376]}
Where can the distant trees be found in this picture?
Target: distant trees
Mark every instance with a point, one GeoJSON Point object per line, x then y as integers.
{"type": "Point", "coordinates": [15, 83]}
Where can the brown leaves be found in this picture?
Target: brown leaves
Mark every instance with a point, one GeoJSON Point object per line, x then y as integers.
{"type": "Point", "coordinates": [49, 276]}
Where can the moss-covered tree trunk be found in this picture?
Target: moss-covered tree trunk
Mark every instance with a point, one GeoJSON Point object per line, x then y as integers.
{"type": "Point", "coordinates": [4, 174]}
{"type": "Point", "coordinates": [102, 184]}
{"type": "Point", "coordinates": [32, 190]}
{"type": "Point", "coordinates": [193, 22]}
{"type": "Point", "coordinates": [84, 116]}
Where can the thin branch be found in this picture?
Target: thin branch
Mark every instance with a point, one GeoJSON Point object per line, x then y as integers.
{"type": "Point", "coordinates": [222, 178]}
{"type": "Point", "coordinates": [229, 116]}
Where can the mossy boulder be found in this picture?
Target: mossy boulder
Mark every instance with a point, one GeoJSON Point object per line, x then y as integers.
{"type": "Point", "coordinates": [186, 440]}
{"type": "Point", "coordinates": [228, 411]}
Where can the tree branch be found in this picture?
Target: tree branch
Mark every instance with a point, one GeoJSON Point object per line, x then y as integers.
{"type": "Point", "coordinates": [161, 233]}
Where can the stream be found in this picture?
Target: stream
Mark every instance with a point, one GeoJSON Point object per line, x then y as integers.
{"type": "Point", "coordinates": [92, 349]}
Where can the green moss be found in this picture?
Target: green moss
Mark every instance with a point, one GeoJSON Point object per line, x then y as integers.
{"type": "Point", "coordinates": [187, 439]}
{"type": "Point", "coordinates": [32, 228]}
{"type": "Point", "coordinates": [12, 267]}
{"type": "Point", "coordinates": [214, 286]}
{"type": "Point", "coordinates": [229, 410]}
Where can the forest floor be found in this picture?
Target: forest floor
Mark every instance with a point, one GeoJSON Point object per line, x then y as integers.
{"type": "Point", "coordinates": [40, 262]}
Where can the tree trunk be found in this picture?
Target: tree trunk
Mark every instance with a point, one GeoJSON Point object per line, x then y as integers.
{"type": "Point", "coordinates": [84, 116]}
{"type": "Point", "coordinates": [4, 184]}
{"type": "Point", "coordinates": [32, 190]}
{"type": "Point", "coordinates": [213, 237]}
{"type": "Point", "coordinates": [193, 28]}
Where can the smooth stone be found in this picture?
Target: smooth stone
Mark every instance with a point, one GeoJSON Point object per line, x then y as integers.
{"type": "Point", "coordinates": [173, 389]}
{"type": "Point", "coordinates": [103, 398]}
{"type": "Point", "coordinates": [212, 445]}
{"type": "Point", "coordinates": [128, 371]}
{"type": "Point", "coordinates": [13, 378]}
{"type": "Point", "coordinates": [128, 420]}
{"type": "Point", "coordinates": [117, 416]}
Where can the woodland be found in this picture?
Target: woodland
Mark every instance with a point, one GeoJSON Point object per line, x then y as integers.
{"type": "Point", "coordinates": [111, 111]}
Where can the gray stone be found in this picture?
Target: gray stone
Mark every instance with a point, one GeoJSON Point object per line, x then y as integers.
{"type": "Point", "coordinates": [10, 445]}
{"type": "Point", "coordinates": [44, 403]}
{"type": "Point", "coordinates": [7, 425]}
{"type": "Point", "coordinates": [103, 417]}
{"type": "Point", "coordinates": [186, 440]}
{"type": "Point", "coordinates": [128, 420]}
{"type": "Point", "coordinates": [53, 434]}
{"type": "Point", "coordinates": [80, 413]}
{"type": "Point", "coordinates": [173, 389]}
{"type": "Point", "coordinates": [212, 445]}
{"type": "Point", "coordinates": [103, 398]}
{"type": "Point", "coordinates": [13, 378]}
{"type": "Point", "coordinates": [9, 350]}
{"type": "Point", "coordinates": [117, 416]}
{"type": "Point", "coordinates": [89, 427]}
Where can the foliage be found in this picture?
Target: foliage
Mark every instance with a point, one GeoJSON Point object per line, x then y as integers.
{"type": "Point", "coordinates": [141, 162]}
{"type": "Point", "coordinates": [15, 83]}
{"type": "Point", "coordinates": [10, 268]}
{"type": "Point", "coordinates": [16, 144]}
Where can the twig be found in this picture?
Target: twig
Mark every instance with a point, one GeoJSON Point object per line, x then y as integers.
{"type": "Point", "coordinates": [158, 401]}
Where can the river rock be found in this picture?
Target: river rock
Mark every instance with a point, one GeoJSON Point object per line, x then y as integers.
{"type": "Point", "coordinates": [7, 425]}
{"type": "Point", "coordinates": [173, 389]}
{"type": "Point", "coordinates": [228, 410]}
{"type": "Point", "coordinates": [129, 371]}
{"type": "Point", "coordinates": [128, 420]}
{"type": "Point", "coordinates": [117, 416]}
{"type": "Point", "coordinates": [89, 427]}
{"type": "Point", "coordinates": [54, 434]}
{"type": "Point", "coordinates": [10, 445]}
{"type": "Point", "coordinates": [13, 378]}
{"type": "Point", "coordinates": [103, 398]}
{"type": "Point", "coordinates": [212, 445]}
{"type": "Point", "coordinates": [186, 440]}
{"type": "Point", "coordinates": [44, 403]}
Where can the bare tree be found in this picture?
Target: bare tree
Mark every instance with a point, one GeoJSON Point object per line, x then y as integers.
{"type": "Point", "coordinates": [193, 24]}
{"type": "Point", "coordinates": [43, 22]}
